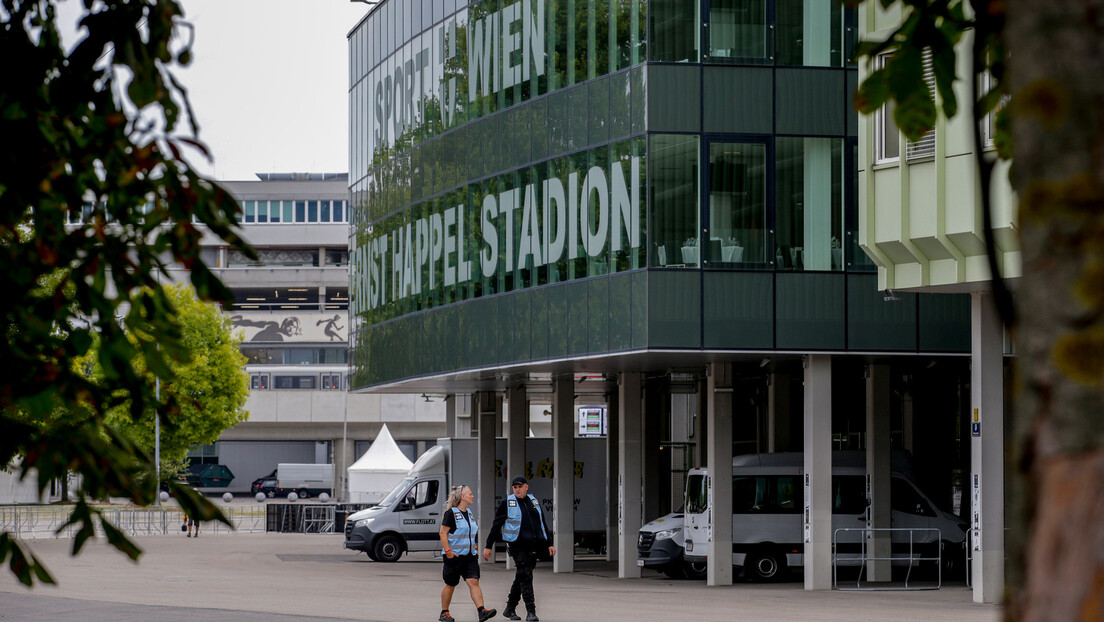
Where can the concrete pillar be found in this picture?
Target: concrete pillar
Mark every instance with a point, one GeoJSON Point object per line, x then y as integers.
{"type": "Point", "coordinates": [344, 456]}
{"type": "Point", "coordinates": [719, 386]}
{"type": "Point", "coordinates": [629, 475]}
{"type": "Point", "coordinates": [450, 415]}
{"type": "Point", "coordinates": [488, 407]}
{"type": "Point", "coordinates": [986, 449]}
{"type": "Point", "coordinates": [878, 469]}
{"type": "Point", "coordinates": [656, 401]}
{"type": "Point", "coordinates": [515, 434]}
{"type": "Point", "coordinates": [563, 473]}
{"type": "Point", "coordinates": [701, 426]}
{"type": "Point", "coordinates": [613, 456]}
{"type": "Point", "coordinates": [817, 517]}
{"type": "Point", "coordinates": [779, 412]}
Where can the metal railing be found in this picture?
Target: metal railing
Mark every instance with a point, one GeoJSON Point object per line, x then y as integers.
{"type": "Point", "coordinates": [910, 558]}
{"type": "Point", "coordinates": [35, 522]}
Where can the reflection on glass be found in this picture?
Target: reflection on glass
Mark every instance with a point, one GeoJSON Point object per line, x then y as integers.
{"type": "Point", "coordinates": [738, 203]}
{"type": "Point", "coordinates": [674, 201]}
{"type": "Point", "coordinates": [809, 203]}
{"type": "Point", "coordinates": [810, 33]}
{"type": "Point", "coordinates": [738, 29]}
{"type": "Point", "coordinates": [674, 31]}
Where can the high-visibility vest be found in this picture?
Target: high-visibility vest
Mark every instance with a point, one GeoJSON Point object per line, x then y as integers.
{"type": "Point", "coordinates": [462, 539]}
{"type": "Point", "coordinates": [512, 527]}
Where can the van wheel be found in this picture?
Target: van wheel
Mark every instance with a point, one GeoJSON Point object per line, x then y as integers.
{"type": "Point", "coordinates": [270, 494]}
{"type": "Point", "coordinates": [763, 566]}
{"type": "Point", "coordinates": [303, 494]}
{"type": "Point", "coordinates": [694, 570]}
{"type": "Point", "coordinates": [388, 549]}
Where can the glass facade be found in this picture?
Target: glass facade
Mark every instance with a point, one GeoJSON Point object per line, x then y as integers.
{"type": "Point", "coordinates": [544, 159]}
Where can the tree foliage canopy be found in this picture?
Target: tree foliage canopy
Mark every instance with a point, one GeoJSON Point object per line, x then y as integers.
{"type": "Point", "coordinates": [99, 130]}
{"type": "Point", "coordinates": [210, 386]}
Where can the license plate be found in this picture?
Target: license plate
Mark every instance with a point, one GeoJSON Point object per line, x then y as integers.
{"type": "Point", "coordinates": [640, 562]}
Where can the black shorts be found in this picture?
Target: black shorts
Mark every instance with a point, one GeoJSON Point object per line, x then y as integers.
{"type": "Point", "coordinates": [466, 566]}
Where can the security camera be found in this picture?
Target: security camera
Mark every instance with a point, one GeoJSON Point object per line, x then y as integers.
{"type": "Point", "coordinates": [890, 296]}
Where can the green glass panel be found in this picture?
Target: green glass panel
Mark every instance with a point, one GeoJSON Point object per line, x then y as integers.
{"type": "Point", "coordinates": [810, 311]}
{"type": "Point", "coordinates": [811, 102]}
{"type": "Point", "coordinates": [874, 323]}
{"type": "Point", "coordinates": [620, 116]}
{"type": "Point", "coordinates": [577, 121]}
{"type": "Point", "coordinates": [738, 311]}
{"type": "Point", "coordinates": [578, 325]}
{"type": "Point", "coordinates": [558, 320]}
{"type": "Point", "coordinates": [674, 99]}
{"type": "Point", "coordinates": [598, 315]}
{"type": "Point", "coordinates": [598, 110]}
{"type": "Point", "coordinates": [738, 100]}
{"type": "Point", "coordinates": [538, 309]}
{"type": "Point", "coordinates": [620, 310]}
{"type": "Point", "coordinates": [674, 309]}
{"type": "Point", "coordinates": [944, 322]}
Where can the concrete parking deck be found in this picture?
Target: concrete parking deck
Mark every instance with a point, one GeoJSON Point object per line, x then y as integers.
{"type": "Point", "coordinates": [310, 577]}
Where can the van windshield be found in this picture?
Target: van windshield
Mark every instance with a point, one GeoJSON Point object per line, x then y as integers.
{"type": "Point", "coordinates": [696, 495]}
{"type": "Point", "coordinates": [396, 492]}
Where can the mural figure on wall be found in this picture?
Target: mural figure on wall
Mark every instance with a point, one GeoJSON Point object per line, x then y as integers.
{"type": "Point", "coordinates": [270, 330]}
{"type": "Point", "coordinates": [331, 328]}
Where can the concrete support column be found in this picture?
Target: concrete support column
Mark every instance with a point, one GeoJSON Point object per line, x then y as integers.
{"type": "Point", "coordinates": [817, 517]}
{"type": "Point", "coordinates": [450, 415]}
{"type": "Point", "coordinates": [630, 480]}
{"type": "Point", "coordinates": [563, 472]}
{"type": "Point", "coordinates": [657, 400]}
{"type": "Point", "coordinates": [986, 449]}
{"type": "Point", "coordinates": [344, 456]}
{"type": "Point", "coordinates": [488, 407]}
{"type": "Point", "coordinates": [878, 469]}
{"type": "Point", "coordinates": [779, 412]}
{"type": "Point", "coordinates": [701, 426]}
{"type": "Point", "coordinates": [613, 456]}
{"type": "Point", "coordinates": [719, 385]}
{"type": "Point", "coordinates": [515, 433]}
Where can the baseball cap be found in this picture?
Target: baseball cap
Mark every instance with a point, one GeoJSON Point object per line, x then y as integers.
{"type": "Point", "coordinates": [520, 480]}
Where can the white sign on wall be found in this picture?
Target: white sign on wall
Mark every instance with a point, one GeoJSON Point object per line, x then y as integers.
{"type": "Point", "coordinates": [294, 326]}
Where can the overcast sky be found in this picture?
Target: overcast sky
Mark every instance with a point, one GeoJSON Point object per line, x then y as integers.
{"type": "Point", "coordinates": [269, 84]}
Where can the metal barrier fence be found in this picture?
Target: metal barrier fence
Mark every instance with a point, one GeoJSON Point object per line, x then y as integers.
{"type": "Point", "coordinates": [289, 518]}
{"type": "Point", "coordinates": [33, 522]}
{"type": "Point", "coordinates": [912, 556]}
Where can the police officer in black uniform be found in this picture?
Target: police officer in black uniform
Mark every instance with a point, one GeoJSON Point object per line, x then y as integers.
{"type": "Point", "coordinates": [519, 521]}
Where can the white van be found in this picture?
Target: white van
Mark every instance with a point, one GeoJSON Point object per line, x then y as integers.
{"type": "Point", "coordinates": [767, 505]}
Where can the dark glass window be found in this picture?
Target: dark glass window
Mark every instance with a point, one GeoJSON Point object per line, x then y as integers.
{"type": "Point", "coordinates": [738, 203]}
{"type": "Point", "coordinates": [905, 498]}
{"type": "Point", "coordinates": [848, 494]}
{"type": "Point", "coordinates": [674, 31]}
{"type": "Point", "coordinates": [673, 200]}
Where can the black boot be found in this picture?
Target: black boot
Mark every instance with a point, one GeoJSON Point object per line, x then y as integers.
{"type": "Point", "coordinates": [487, 614]}
{"type": "Point", "coordinates": [532, 616]}
{"type": "Point", "coordinates": [510, 612]}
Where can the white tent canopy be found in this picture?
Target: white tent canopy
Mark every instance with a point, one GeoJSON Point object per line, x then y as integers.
{"type": "Point", "coordinates": [378, 470]}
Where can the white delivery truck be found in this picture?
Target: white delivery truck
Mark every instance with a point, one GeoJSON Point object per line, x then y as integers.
{"type": "Point", "coordinates": [302, 479]}
{"type": "Point", "coordinates": [409, 517]}
{"type": "Point", "coordinates": [767, 506]}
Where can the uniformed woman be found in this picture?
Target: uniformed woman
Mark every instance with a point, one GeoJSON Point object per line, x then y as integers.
{"type": "Point", "coordinates": [459, 546]}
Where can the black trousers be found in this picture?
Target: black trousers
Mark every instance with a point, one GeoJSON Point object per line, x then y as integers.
{"type": "Point", "coordinates": [525, 559]}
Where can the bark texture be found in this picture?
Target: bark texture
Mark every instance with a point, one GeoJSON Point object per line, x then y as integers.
{"type": "Point", "coordinates": [1056, 545]}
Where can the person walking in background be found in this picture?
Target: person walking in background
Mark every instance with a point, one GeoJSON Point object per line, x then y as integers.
{"type": "Point", "coordinates": [193, 523]}
{"type": "Point", "coordinates": [519, 521]}
{"type": "Point", "coordinates": [460, 547]}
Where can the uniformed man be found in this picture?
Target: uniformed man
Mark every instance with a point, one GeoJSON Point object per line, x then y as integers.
{"type": "Point", "coordinates": [519, 521]}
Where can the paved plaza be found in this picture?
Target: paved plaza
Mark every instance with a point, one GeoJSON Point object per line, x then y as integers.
{"type": "Point", "coordinates": [282, 577]}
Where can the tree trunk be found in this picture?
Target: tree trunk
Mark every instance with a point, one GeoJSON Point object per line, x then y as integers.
{"type": "Point", "coordinates": [1056, 546]}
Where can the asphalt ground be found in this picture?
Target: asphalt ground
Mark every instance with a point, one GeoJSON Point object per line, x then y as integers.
{"type": "Point", "coordinates": [278, 577]}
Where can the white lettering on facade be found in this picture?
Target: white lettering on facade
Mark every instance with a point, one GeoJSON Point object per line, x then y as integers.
{"type": "Point", "coordinates": [597, 215]}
